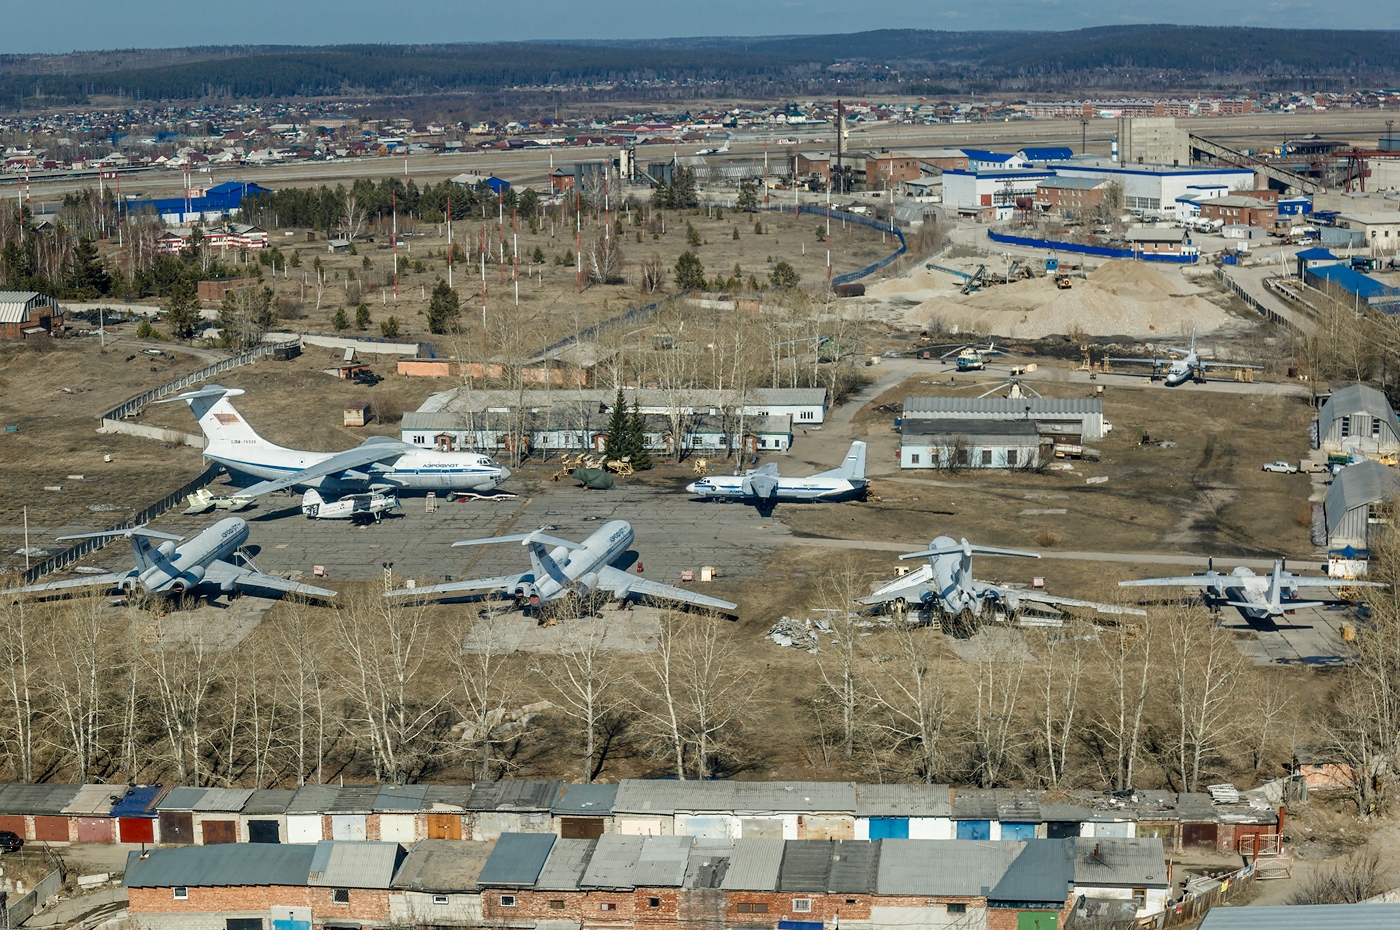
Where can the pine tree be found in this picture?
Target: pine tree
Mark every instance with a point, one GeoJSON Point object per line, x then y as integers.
{"type": "Point", "coordinates": [616, 446]}
{"type": "Point", "coordinates": [637, 438]}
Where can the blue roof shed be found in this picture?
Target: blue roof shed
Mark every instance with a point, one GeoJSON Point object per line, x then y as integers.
{"type": "Point", "coordinates": [140, 801]}
{"type": "Point", "coordinates": [1047, 153]}
{"type": "Point", "coordinates": [1365, 287]}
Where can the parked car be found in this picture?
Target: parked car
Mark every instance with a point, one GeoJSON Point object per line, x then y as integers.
{"type": "Point", "coordinates": [10, 842]}
{"type": "Point", "coordinates": [1282, 468]}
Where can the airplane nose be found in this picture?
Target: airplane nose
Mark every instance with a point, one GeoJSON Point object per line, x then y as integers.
{"type": "Point", "coordinates": [505, 473]}
{"type": "Point", "coordinates": [691, 488]}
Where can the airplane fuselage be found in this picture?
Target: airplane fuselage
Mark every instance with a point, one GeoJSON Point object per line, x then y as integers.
{"type": "Point", "coordinates": [575, 571]}
{"type": "Point", "coordinates": [415, 470]}
{"type": "Point", "coordinates": [731, 487]}
{"type": "Point", "coordinates": [178, 570]}
{"type": "Point", "coordinates": [1181, 372]}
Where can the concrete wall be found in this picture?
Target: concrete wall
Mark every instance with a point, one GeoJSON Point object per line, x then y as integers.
{"type": "Point", "coordinates": [1152, 141]}
{"type": "Point", "coordinates": [128, 428]}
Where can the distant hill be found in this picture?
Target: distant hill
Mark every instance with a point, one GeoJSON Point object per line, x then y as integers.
{"type": "Point", "coordinates": [1140, 57]}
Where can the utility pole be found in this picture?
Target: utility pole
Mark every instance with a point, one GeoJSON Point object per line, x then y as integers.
{"type": "Point", "coordinates": [1083, 135]}
{"type": "Point", "coordinates": [840, 129]}
{"type": "Point", "coordinates": [394, 201]}
{"type": "Point", "coordinates": [449, 240]}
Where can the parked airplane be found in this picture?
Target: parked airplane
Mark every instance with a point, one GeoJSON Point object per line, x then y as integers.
{"type": "Point", "coordinates": [1258, 597]}
{"type": "Point", "coordinates": [168, 570]}
{"type": "Point", "coordinates": [764, 486]}
{"type": "Point", "coordinates": [358, 508]}
{"type": "Point", "coordinates": [946, 584]}
{"type": "Point", "coordinates": [568, 570]}
{"type": "Point", "coordinates": [1186, 368]}
{"type": "Point", "coordinates": [378, 460]}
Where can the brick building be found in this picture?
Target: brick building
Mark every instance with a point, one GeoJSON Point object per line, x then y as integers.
{"type": "Point", "coordinates": [1071, 198]}
{"type": "Point", "coordinates": [885, 170]}
{"type": "Point", "coordinates": [28, 313]}
{"type": "Point", "coordinates": [1247, 209]}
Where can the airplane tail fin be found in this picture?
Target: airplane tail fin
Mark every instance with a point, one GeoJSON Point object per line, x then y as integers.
{"type": "Point", "coordinates": [311, 502]}
{"type": "Point", "coordinates": [142, 550]}
{"type": "Point", "coordinates": [853, 468]}
{"type": "Point", "coordinates": [221, 423]}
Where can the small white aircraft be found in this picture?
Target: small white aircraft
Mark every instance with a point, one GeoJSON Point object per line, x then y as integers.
{"type": "Point", "coordinates": [946, 584]}
{"type": "Point", "coordinates": [1189, 366]}
{"type": "Point", "coordinates": [172, 571]}
{"type": "Point", "coordinates": [569, 570]}
{"type": "Point", "coordinates": [378, 460]}
{"type": "Point", "coordinates": [204, 500]}
{"type": "Point", "coordinates": [1258, 597]}
{"type": "Point", "coordinates": [764, 486]}
{"type": "Point", "coordinates": [357, 508]}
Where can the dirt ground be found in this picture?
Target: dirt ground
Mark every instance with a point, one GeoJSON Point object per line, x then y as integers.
{"type": "Point", "coordinates": [551, 305]}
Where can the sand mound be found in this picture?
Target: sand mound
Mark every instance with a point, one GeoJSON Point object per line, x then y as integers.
{"type": "Point", "coordinates": [1120, 298]}
{"type": "Point", "coordinates": [919, 279]}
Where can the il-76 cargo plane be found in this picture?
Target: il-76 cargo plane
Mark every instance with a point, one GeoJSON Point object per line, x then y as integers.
{"type": "Point", "coordinates": [379, 460]}
{"type": "Point", "coordinates": [168, 570]}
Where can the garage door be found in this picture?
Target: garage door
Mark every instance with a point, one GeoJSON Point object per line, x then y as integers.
{"type": "Point", "coordinates": [761, 828]}
{"type": "Point", "coordinates": [217, 832]}
{"type": "Point", "coordinates": [444, 826]}
{"type": "Point", "coordinates": [176, 827]}
{"type": "Point", "coordinates": [1200, 835]}
{"type": "Point", "coordinates": [1062, 829]}
{"type": "Point", "coordinates": [347, 826]}
{"type": "Point", "coordinates": [94, 830]}
{"type": "Point", "coordinates": [304, 828]}
{"type": "Point", "coordinates": [1018, 831]}
{"type": "Point", "coordinates": [264, 831]}
{"type": "Point", "coordinates": [714, 827]}
{"type": "Point", "coordinates": [826, 828]}
{"type": "Point", "coordinates": [137, 829]}
{"type": "Point", "coordinates": [52, 829]}
{"type": "Point", "coordinates": [974, 829]}
{"type": "Point", "coordinates": [14, 823]}
{"type": "Point", "coordinates": [1038, 920]}
{"type": "Point", "coordinates": [889, 828]}
{"type": "Point", "coordinates": [580, 828]}
{"type": "Point", "coordinates": [398, 828]}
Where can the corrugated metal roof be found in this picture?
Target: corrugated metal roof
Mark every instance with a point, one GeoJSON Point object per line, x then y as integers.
{"type": "Point", "coordinates": [903, 801]}
{"type": "Point", "coordinates": [443, 866]}
{"type": "Point", "coordinates": [1305, 917]}
{"type": "Point", "coordinates": [400, 797]}
{"type": "Point", "coordinates": [1118, 861]}
{"type": "Point", "coordinates": [181, 799]}
{"type": "Point", "coordinates": [708, 863]}
{"type": "Point", "coordinates": [1003, 406]}
{"type": "Point", "coordinates": [1357, 398]}
{"type": "Point", "coordinates": [95, 800]}
{"type": "Point", "coordinates": [268, 801]}
{"type": "Point", "coordinates": [1016, 430]}
{"type": "Point", "coordinates": [446, 797]}
{"type": "Point", "coordinates": [754, 865]}
{"type": "Point", "coordinates": [662, 861]}
{"type": "Point", "coordinates": [806, 865]}
{"type": "Point", "coordinates": [854, 864]}
{"type": "Point", "coordinates": [517, 859]}
{"type": "Point", "coordinates": [137, 801]}
{"type": "Point", "coordinates": [1015, 806]}
{"type": "Point", "coordinates": [737, 797]}
{"type": "Point", "coordinates": [566, 864]}
{"type": "Point", "coordinates": [224, 799]}
{"type": "Point", "coordinates": [585, 800]}
{"type": "Point", "coordinates": [1040, 873]}
{"type": "Point", "coordinates": [1356, 486]}
{"type": "Point", "coordinates": [942, 867]}
{"type": "Point", "coordinates": [223, 865]}
{"type": "Point", "coordinates": [354, 799]}
{"type": "Point", "coordinates": [613, 860]}
{"type": "Point", "coordinates": [975, 804]}
{"type": "Point", "coordinates": [36, 799]}
{"type": "Point", "coordinates": [356, 864]}
{"type": "Point", "coordinates": [514, 795]}
{"type": "Point", "coordinates": [313, 799]}
{"type": "Point", "coordinates": [14, 305]}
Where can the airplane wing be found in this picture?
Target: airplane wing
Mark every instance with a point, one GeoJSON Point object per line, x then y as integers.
{"type": "Point", "coordinates": [1040, 597]}
{"type": "Point", "coordinates": [911, 588]}
{"type": "Point", "coordinates": [1204, 363]}
{"type": "Point", "coordinates": [368, 453]}
{"type": "Point", "coordinates": [1143, 361]}
{"type": "Point", "coordinates": [109, 580]}
{"type": "Point", "coordinates": [469, 586]}
{"type": "Point", "coordinates": [1185, 581]}
{"type": "Point", "coordinates": [220, 572]}
{"type": "Point", "coordinates": [1310, 582]}
{"type": "Point", "coordinates": [622, 585]}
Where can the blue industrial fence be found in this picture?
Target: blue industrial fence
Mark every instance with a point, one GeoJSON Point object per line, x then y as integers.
{"type": "Point", "coordinates": [1099, 250]}
{"type": "Point", "coordinates": [842, 215]}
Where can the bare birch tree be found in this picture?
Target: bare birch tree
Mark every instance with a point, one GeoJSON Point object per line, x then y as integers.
{"type": "Point", "coordinates": [485, 692]}
{"type": "Point", "coordinates": [307, 721]}
{"type": "Point", "coordinates": [1061, 670]}
{"type": "Point", "coordinates": [910, 692]}
{"type": "Point", "coordinates": [18, 632]}
{"type": "Point", "coordinates": [1204, 668]}
{"type": "Point", "coordinates": [585, 678]}
{"type": "Point", "coordinates": [184, 672]}
{"type": "Point", "coordinates": [993, 729]}
{"type": "Point", "coordinates": [1126, 659]}
{"type": "Point", "coordinates": [78, 679]}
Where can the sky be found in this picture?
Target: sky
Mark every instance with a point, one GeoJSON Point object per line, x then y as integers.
{"type": "Point", "coordinates": [31, 27]}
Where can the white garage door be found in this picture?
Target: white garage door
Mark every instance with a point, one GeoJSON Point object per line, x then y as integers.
{"type": "Point", "coordinates": [347, 826]}
{"type": "Point", "coordinates": [303, 828]}
{"type": "Point", "coordinates": [398, 828]}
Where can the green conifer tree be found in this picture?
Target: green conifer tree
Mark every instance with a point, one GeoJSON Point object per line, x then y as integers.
{"type": "Point", "coordinates": [616, 446]}
{"type": "Point", "coordinates": [636, 438]}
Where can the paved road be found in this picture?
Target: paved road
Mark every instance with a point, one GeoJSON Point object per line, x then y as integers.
{"type": "Point", "coordinates": [1250, 279]}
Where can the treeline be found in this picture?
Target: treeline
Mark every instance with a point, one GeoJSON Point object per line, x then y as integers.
{"type": "Point", "coordinates": [349, 209]}
{"type": "Point", "coordinates": [1148, 55]}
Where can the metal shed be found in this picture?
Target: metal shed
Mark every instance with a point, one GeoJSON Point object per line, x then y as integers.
{"type": "Point", "coordinates": [1057, 416]}
{"type": "Point", "coordinates": [517, 860]}
{"type": "Point", "coordinates": [584, 811]}
{"type": "Point", "coordinates": [264, 816]}
{"type": "Point", "coordinates": [176, 811]}
{"type": "Point", "coordinates": [1350, 507]}
{"type": "Point", "coordinates": [903, 812]}
{"type": "Point", "coordinates": [135, 815]}
{"type": "Point", "coordinates": [1357, 418]}
{"type": "Point", "coordinates": [396, 808]}
{"type": "Point", "coordinates": [304, 812]}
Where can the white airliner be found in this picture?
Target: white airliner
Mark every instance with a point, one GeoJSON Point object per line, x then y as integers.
{"type": "Point", "coordinates": [945, 583]}
{"type": "Point", "coordinates": [173, 571]}
{"type": "Point", "coordinates": [1258, 597]}
{"type": "Point", "coordinates": [764, 486]}
{"type": "Point", "coordinates": [1180, 370]}
{"type": "Point", "coordinates": [379, 460]}
{"type": "Point", "coordinates": [568, 570]}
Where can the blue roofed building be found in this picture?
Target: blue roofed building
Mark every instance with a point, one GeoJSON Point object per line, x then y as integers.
{"type": "Point", "coordinates": [1351, 286]}
{"type": "Point", "coordinates": [984, 160]}
{"type": "Point", "coordinates": [1040, 155]}
{"type": "Point", "coordinates": [215, 203]}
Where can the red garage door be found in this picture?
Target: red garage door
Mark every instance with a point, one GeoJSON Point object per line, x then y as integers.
{"type": "Point", "coordinates": [94, 830]}
{"type": "Point", "coordinates": [14, 823]}
{"type": "Point", "coordinates": [137, 829]}
{"type": "Point", "coordinates": [219, 831]}
{"type": "Point", "coordinates": [53, 829]}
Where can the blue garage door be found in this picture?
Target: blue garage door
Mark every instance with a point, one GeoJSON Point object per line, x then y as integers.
{"type": "Point", "coordinates": [974, 829]}
{"type": "Point", "coordinates": [889, 828]}
{"type": "Point", "coordinates": [1018, 831]}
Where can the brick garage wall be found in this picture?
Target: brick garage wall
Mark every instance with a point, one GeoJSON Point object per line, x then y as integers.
{"type": "Point", "coordinates": [366, 904]}
{"type": "Point", "coordinates": [577, 905]}
{"type": "Point", "coordinates": [1005, 918]}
